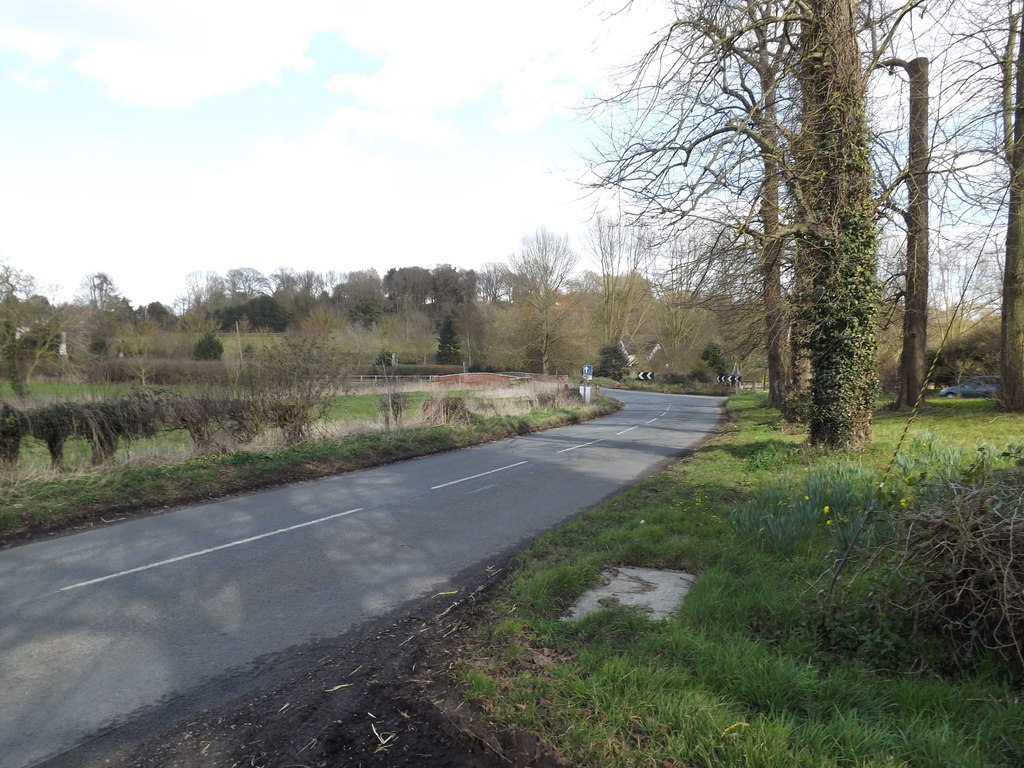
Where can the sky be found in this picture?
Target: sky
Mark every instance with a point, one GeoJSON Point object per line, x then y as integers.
{"type": "Point", "coordinates": [156, 139]}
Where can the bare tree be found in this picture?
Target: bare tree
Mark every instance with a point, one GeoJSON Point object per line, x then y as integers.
{"type": "Point", "coordinates": [542, 271]}
{"type": "Point", "coordinates": [494, 284]}
{"type": "Point", "coordinates": [680, 314]}
{"type": "Point", "coordinates": [626, 261]}
{"type": "Point", "coordinates": [704, 138]}
{"type": "Point", "coordinates": [246, 283]}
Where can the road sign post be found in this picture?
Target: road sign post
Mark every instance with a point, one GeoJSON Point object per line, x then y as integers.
{"type": "Point", "coordinates": [588, 374]}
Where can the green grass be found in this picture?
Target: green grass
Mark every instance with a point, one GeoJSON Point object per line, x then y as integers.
{"type": "Point", "coordinates": [66, 390]}
{"type": "Point", "coordinates": [756, 669]}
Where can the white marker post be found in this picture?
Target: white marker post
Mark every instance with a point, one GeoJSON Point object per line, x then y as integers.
{"type": "Point", "coordinates": [588, 374]}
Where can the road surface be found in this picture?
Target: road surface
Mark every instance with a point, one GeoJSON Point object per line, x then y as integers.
{"type": "Point", "coordinates": [98, 626]}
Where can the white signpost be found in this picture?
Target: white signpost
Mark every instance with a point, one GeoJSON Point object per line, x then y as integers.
{"type": "Point", "coordinates": [588, 374]}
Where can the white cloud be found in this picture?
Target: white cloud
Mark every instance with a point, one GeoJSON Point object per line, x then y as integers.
{"type": "Point", "coordinates": [398, 175]}
{"type": "Point", "coordinates": [30, 81]}
{"type": "Point", "coordinates": [417, 128]}
{"type": "Point", "coordinates": [169, 52]}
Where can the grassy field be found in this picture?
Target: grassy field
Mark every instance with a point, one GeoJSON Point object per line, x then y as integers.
{"type": "Point", "coordinates": [760, 667]}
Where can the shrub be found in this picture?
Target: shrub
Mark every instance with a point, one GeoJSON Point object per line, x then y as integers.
{"type": "Point", "coordinates": [715, 358]}
{"type": "Point", "coordinates": [675, 379]}
{"type": "Point", "coordinates": [163, 373]}
{"type": "Point", "coordinates": [391, 407]}
{"type": "Point", "coordinates": [209, 419]}
{"type": "Point", "coordinates": [104, 423]}
{"type": "Point", "coordinates": [700, 375]}
{"type": "Point", "coordinates": [612, 362]}
{"type": "Point", "coordinates": [209, 347]}
{"type": "Point", "coordinates": [292, 380]}
{"type": "Point", "coordinates": [12, 428]}
{"type": "Point", "coordinates": [446, 410]}
{"type": "Point", "coordinates": [963, 574]}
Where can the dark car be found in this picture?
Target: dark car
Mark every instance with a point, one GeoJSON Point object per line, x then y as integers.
{"type": "Point", "coordinates": [978, 386]}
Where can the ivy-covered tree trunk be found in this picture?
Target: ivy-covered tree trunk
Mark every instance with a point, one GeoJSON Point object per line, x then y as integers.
{"type": "Point", "coordinates": [838, 242]}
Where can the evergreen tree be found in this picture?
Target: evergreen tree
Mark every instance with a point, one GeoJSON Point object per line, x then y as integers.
{"type": "Point", "coordinates": [714, 358]}
{"type": "Point", "coordinates": [209, 347]}
{"type": "Point", "coordinates": [612, 362]}
{"type": "Point", "coordinates": [449, 351]}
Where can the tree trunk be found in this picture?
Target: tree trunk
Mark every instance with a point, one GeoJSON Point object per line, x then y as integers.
{"type": "Point", "coordinates": [839, 239]}
{"type": "Point", "coordinates": [775, 311]}
{"type": "Point", "coordinates": [915, 322]}
{"type": "Point", "coordinates": [913, 363]}
{"type": "Point", "coordinates": [776, 315]}
{"type": "Point", "coordinates": [1012, 329]}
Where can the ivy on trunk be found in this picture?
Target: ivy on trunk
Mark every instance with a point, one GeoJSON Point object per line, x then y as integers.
{"type": "Point", "coordinates": [838, 242]}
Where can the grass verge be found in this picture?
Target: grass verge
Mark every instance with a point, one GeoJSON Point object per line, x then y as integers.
{"type": "Point", "coordinates": [757, 668]}
{"type": "Point", "coordinates": [46, 502]}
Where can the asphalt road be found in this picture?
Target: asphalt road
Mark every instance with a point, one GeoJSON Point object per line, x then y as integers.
{"type": "Point", "coordinates": [96, 627]}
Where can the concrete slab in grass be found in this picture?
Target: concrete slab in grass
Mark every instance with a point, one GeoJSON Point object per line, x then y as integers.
{"type": "Point", "coordinates": [658, 593]}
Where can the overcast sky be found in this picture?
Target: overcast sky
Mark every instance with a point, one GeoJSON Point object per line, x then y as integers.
{"type": "Point", "coordinates": [152, 139]}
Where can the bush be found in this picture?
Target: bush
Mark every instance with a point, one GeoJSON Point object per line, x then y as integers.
{"type": "Point", "coordinates": [209, 419]}
{"type": "Point", "coordinates": [104, 423]}
{"type": "Point", "coordinates": [161, 373]}
{"type": "Point", "coordinates": [12, 428]}
{"type": "Point", "coordinates": [674, 379]}
{"type": "Point", "coordinates": [715, 358]}
{"type": "Point", "coordinates": [446, 410]}
{"type": "Point", "coordinates": [700, 375]}
{"type": "Point", "coordinates": [209, 347]}
{"type": "Point", "coordinates": [612, 362]}
{"type": "Point", "coordinates": [293, 380]}
{"type": "Point", "coordinates": [391, 407]}
{"type": "Point", "coordinates": [962, 569]}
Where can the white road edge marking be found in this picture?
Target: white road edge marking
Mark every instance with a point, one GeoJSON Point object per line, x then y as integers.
{"type": "Point", "coordinates": [482, 474]}
{"type": "Point", "coordinates": [208, 551]}
{"type": "Point", "coordinates": [582, 445]}
{"type": "Point", "coordinates": [627, 430]}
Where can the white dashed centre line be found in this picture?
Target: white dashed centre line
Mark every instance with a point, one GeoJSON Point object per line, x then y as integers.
{"type": "Point", "coordinates": [582, 445]}
{"type": "Point", "coordinates": [625, 431]}
{"type": "Point", "coordinates": [201, 552]}
{"type": "Point", "coordinates": [473, 477]}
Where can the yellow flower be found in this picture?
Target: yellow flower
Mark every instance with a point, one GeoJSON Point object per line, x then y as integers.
{"type": "Point", "coordinates": [828, 522]}
{"type": "Point", "coordinates": [807, 498]}
{"type": "Point", "coordinates": [825, 510]}
{"type": "Point", "coordinates": [903, 503]}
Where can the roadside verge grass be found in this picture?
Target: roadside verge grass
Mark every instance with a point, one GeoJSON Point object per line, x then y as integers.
{"type": "Point", "coordinates": [46, 501]}
{"type": "Point", "coordinates": [758, 667]}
